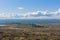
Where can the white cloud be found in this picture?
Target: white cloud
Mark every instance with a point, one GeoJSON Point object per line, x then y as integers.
{"type": "Point", "coordinates": [32, 15]}
{"type": "Point", "coordinates": [43, 14]}
{"type": "Point", "coordinates": [20, 8]}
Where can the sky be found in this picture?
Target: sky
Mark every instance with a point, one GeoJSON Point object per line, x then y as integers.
{"type": "Point", "coordinates": [29, 9]}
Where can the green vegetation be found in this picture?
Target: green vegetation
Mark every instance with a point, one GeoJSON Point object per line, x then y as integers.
{"type": "Point", "coordinates": [21, 25]}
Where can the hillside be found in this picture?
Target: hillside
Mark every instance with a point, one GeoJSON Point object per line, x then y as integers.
{"type": "Point", "coordinates": [29, 31]}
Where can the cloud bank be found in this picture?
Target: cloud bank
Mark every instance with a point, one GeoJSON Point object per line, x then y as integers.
{"type": "Point", "coordinates": [32, 15]}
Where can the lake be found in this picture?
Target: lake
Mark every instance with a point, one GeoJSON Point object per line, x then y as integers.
{"type": "Point", "coordinates": [33, 21]}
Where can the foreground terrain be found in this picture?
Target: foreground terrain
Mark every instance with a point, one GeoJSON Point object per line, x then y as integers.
{"type": "Point", "coordinates": [29, 32]}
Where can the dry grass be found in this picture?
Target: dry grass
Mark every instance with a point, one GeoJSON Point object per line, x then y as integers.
{"type": "Point", "coordinates": [31, 32]}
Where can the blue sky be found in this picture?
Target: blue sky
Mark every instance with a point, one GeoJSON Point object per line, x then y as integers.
{"type": "Point", "coordinates": [29, 9]}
